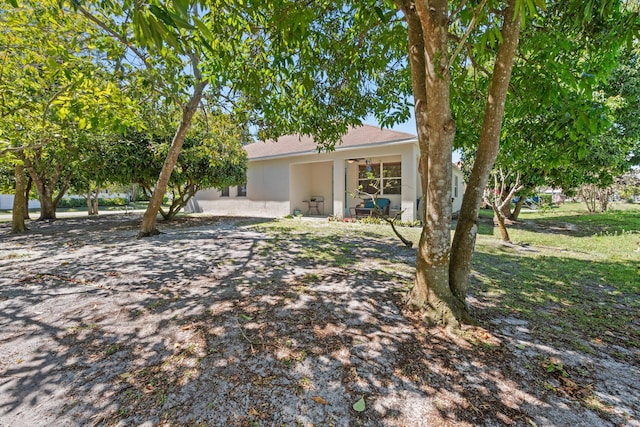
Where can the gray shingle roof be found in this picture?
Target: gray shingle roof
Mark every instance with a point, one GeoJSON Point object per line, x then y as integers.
{"type": "Point", "coordinates": [295, 144]}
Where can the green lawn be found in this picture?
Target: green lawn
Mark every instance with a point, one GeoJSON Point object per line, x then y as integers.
{"type": "Point", "coordinates": [571, 273]}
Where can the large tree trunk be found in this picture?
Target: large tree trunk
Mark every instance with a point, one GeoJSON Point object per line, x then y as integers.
{"type": "Point", "coordinates": [428, 38]}
{"type": "Point", "coordinates": [505, 209]}
{"type": "Point", "coordinates": [63, 190]}
{"type": "Point", "coordinates": [92, 202]}
{"type": "Point", "coordinates": [466, 230]}
{"type": "Point", "coordinates": [27, 191]}
{"type": "Point", "coordinates": [517, 209]}
{"type": "Point", "coordinates": [17, 224]}
{"type": "Point", "coordinates": [500, 221]}
{"type": "Point", "coordinates": [44, 189]}
{"type": "Point", "coordinates": [47, 206]}
{"type": "Point", "coordinates": [148, 227]}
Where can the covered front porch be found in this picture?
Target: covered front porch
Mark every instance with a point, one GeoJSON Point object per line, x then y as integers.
{"type": "Point", "coordinates": [335, 187]}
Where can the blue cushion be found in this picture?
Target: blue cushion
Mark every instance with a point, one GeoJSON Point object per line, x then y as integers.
{"type": "Point", "coordinates": [382, 203]}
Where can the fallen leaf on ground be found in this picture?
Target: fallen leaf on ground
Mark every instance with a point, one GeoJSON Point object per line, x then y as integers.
{"type": "Point", "coordinates": [319, 400]}
{"type": "Point", "coordinates": [359, 405]}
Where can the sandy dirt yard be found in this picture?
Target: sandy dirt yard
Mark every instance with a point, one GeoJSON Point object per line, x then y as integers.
{"type": "Point", "coordinates": [222, 322]}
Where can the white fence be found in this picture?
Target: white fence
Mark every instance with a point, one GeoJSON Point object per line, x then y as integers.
{"type": "Point", "coordinates": [6, 202]}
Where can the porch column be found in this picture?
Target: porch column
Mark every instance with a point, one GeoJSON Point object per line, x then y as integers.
{"type": "Point", "coordinates": [339, 171]}
{"type": "Point", "coordinates": [409, 181]}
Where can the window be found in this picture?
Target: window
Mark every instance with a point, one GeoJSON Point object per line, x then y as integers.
{"type": "Point", "coordinates": [368, 177]}
{"type": "Point", "coordinates": [370, 181]}
{"type": "Point", "coordinates": [392, 178]}
{"type": "Point", "coordinates": [225, 192]}
{"type": "Point", "coordinates": [455, 186]}
{"type": "Point", "coordinates": [242, 190]}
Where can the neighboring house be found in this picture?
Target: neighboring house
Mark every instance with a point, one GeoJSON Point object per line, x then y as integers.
{"type": "Point", "coordinates": [290, 175]}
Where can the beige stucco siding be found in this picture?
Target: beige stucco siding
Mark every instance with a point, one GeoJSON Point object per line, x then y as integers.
{"type": "Point", "coordinates": [267, 193]}
{"type": "Point", "coordinates": [457, 188]}
{"type": "Point", "coordinates": [279, 185]}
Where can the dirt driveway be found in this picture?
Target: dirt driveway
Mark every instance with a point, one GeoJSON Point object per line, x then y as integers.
{"type": "Point", "coordinates": [219, 322]}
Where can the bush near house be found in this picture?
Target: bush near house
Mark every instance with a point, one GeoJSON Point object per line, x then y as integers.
{"type": "Point", "coordinates": [74, 202]}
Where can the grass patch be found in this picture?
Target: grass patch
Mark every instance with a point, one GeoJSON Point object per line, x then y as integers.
{"type": "Point", "coordinates": [572, 274]}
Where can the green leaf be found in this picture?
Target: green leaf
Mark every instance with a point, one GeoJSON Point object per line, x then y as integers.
{"type": "Point", "coordinates": [162, 15]}
{"type": "Point", "coordinates": [380, 14]}
{"type": "Point", "coordinates": [245, 317]}
{"type": "Point", "coordinates": [359, 406]}
{"type": "Point", "coordinates": [203, 29]}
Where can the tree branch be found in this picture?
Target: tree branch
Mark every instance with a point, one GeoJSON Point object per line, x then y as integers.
{"type": "Point", "coordinates": [466, 34]}
{"type": "Point", "coordinates": [13, 110]}
{"type": "Point", "coordinates": [122, 39]}
{"type": "Point", "coordinates": [475, 63]}
{"type": "Point", "coordinates": [21, 148]}
{"type": "Point", "coordinates": [48, 104]}
{"type": "Point", "coordinates": [458, 9]}
{"type": "Point", "coordinates": [115, 35]}
{"type": "Point", "coordinates": [469, 49]}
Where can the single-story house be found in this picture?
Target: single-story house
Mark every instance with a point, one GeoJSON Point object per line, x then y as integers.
{"type": "Point", "coordinates": [289, 175]}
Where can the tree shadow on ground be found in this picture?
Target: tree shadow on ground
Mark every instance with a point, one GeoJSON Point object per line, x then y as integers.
{"type": "Point", "coordinates": [224, 324]}
{"type": "Point", "coordinates": [584, 314]}
{"type": "Point", "coordinates": [585, 224]}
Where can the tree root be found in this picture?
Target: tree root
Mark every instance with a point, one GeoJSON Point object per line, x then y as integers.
{"type": "Point", "coordinates": [142, 235]}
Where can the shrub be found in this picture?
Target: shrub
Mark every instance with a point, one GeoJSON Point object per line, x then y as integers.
{"type": "Point", "coordinates": [68, 202]}
{"type": "Point", "coordinates": [75, 202]}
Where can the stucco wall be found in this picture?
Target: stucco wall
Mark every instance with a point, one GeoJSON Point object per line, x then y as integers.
{"type": "Point", "coordinates": [272, 183]}
{"type": "Point", "coordinates": [457, 193]}
{"type": "Point", "coordinates": [267, 193]}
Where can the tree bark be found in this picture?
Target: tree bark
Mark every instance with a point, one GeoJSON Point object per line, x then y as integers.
{"type": "Point", "coordinates": [428, 39]}
{"type": "Point", "coordinates": [517, 208]}
{"type": "Point", "coordinates": [500, 221]}
{"type": "Point", "coordinates": [47, 207]}
{"type": "Point", "coordinates": [505, 209]}
{"type": "Point", "coordinates": [18, 214]}
{"type": "Point", "coordinates": [148, 227]}
{"type": "Point", "coordinates": [603, 198]}
{"type": "Point", "coordinates": [96, 201]}
{"type": "Point", "coordinates": [180, 200]}
{"type": "Point", "coordinates": [27, 191]}
{"type": "Point", "coordinates": [588, 194]}
{"type": "Point", "coordinates": [92, 202]}
{"type": "Point", "coordinates": [466, 230]}
{"type": "Point", "coordinates": [63, 190]}
{"type": "Point", "coordinates": [44, 189]}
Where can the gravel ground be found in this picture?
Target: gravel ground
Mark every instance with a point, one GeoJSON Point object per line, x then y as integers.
{"type": "Point", "coordinates": [216, 322]}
